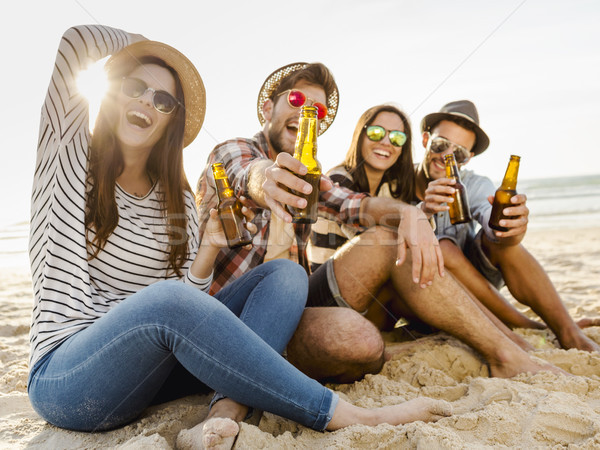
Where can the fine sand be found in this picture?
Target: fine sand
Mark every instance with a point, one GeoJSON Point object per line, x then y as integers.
{"type": "Point", "coordinates": [544, 410]}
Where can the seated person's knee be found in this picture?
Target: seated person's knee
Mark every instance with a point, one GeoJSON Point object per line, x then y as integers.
{"type": "Point", "coordinates": [379, 236]}
{"type": "Point", "coordinates": [363, 338]}
{"type": "Point", "coordinates": [453, 255]}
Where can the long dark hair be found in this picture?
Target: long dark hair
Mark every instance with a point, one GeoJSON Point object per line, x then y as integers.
{"type": "Point", "coordinates": [400, 176]}
{"type": "Point", "coordinates": [164, 164]}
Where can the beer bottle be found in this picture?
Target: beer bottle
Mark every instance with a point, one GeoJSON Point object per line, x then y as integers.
{"type": "Point", "coordinates": [459, 208]}
{"type": "Point", "coordinates": [504, 193]}
{"type": "Point", "coordinates": [305, 151]}
{"type": "Point", "coordinates": [230, 210]}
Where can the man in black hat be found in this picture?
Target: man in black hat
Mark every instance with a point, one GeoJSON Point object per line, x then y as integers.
{"type": "Point", "coordinates": [481, 258]}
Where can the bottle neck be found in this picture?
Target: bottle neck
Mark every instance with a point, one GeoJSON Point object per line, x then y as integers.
{"type": "Point", "coordinates": [306, 142]}
{"type": "Point", "coordinates": [452, 168]}
{"type": "Point", "coordinates": [510, 177]}
{"type": "Point", "coordinates": [222, 182]}
{"type": "Point", "coordinates": [223, 189]}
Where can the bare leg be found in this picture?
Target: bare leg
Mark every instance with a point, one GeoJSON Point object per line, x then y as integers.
{"type": "Point", "coordinates": [530, 285]}
{"type": "Point", "coordinates": [336, 345]}
{"type": "Point", "coordinates": [422, 408]}
{"type": "Point", "coordinates": [367, 261]}
{"type": "Point", "coordinates": [497, 322]}
{"type": "Point", "coordinates": [394, 304]}
{"type": "Point", "coordinates": [457, 263]}
{"type": "Point", "coordinates": [218, 431]}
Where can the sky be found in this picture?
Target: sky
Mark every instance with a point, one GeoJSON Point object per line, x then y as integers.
{"type": "Point", "coordinates": [532, 67]}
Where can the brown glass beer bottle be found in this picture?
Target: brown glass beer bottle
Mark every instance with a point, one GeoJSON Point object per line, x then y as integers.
{"type": "Point", "coordinates": [505, 192]}
{"type": "Point", "coordinates": [459, 208]}
{"type": "Point", "coordinates": [305, 151]}
{"type": "Point", "coordinates": [230, 210]}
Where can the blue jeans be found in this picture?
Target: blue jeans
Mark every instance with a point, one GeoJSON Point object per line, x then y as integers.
{"type": "Point", "coordinates": [105, 375]}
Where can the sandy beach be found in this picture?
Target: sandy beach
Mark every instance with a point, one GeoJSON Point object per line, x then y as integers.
{"type": "Point", "coordinates": [543, 410]}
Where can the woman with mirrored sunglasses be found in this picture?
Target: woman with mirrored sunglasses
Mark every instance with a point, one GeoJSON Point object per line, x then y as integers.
{"type": "Point", "coordinates": [380, 155]}
{"type": "Point", "coordinates": [379, 161]}
{"type": "Point", "coordinates": [122, 317]}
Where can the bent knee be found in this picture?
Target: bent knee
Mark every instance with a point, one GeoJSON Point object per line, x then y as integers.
{"type": "Point", "coordinates": [453, 255]}
{"type": "Point", "coordinates": [171, 297]}
{"type": "Point", "coordinates": [289, 280]}
{"type": "Point", "coordinates": [359, 336]}
{"type": "Point", "coordinates": [287, 273]}
{"type": "Point", "coordinates": [380, 236]}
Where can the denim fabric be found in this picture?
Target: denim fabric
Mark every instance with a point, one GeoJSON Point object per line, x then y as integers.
{"type": "Point", "coordinates": [105, 375]}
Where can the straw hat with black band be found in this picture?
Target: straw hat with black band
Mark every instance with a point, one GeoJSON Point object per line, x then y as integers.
{"type": "Point", "coordinates": [273, 81]}
{"type": "Point", "coordinates": [465, 110]}
{"type": "Point", "coordinates": [194, 93]}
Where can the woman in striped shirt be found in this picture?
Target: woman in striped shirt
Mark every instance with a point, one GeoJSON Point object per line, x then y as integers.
{"type": "Point", "coordinates": [121, 316]}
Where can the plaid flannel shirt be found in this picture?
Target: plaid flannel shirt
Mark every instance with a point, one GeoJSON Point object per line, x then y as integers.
{"type": "Point", "coordinates": [237, 156]}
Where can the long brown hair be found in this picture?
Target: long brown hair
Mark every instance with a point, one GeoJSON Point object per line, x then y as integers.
{"type": "Point", "coordinates": [165, 164]}
{"type": "Point", "coordinates": [400, 176]}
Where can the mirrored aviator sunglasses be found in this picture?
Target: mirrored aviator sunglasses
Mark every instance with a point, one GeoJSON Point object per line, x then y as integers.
{"type": "Point", "coordinates": [162, 101]}
{"type": "Point", "coordinates": [296, 99]}
{"type": "Point", "coordinates": [377, 133]}
{"type": "Point", "coordinates": [439, 144]}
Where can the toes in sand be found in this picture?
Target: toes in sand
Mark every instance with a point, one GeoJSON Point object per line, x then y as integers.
{"type": "Point", "coordinates": [217, 433]}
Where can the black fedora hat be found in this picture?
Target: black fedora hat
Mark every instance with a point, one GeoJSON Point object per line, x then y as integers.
{"type": "Point", "coordinates": [465, 110]}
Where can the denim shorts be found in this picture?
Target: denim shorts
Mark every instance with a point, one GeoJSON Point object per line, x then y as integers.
{"type": "Point", "coordinates": [474, 253]}
{"type": "Point", "coordinates": [323, 289]}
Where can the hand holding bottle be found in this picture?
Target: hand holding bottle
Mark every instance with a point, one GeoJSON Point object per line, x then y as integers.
{"type": "Point", "coordinates": [509, 215]}
{"type": "Point", "coordinates": [283, 175]}
{"type": "Point", "coordinates": [516, 217]}
{"type": "Point", "coordinates": [437, 196]}
{"type": "Point", "coordinates": [214, 234]}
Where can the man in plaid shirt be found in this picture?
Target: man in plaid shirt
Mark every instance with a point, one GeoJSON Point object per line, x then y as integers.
{"type": "Point", "coordinates": [335, 343]}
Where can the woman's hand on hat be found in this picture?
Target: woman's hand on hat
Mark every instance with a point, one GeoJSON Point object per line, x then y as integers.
{"type": "Point", "coordinates": [137, 38]}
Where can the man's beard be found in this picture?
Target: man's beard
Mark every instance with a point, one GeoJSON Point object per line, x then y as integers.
{"type": "Point", "coordinates": [277, 141]}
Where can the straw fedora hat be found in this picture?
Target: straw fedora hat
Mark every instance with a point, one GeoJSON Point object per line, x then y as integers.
{"type": "Point", "coordinates": [272, 82]}
{"type": "Point", "coordinates": [464, 109]}
{"type": "Point", "coordinates": [193, 88]}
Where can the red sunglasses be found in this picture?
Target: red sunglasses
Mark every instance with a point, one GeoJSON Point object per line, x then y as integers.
{"type": "Point", "coordinates": [296, 99]}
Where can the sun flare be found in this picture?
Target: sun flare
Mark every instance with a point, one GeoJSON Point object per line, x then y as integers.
{"type": "Point", "coordinates": [93, 84]}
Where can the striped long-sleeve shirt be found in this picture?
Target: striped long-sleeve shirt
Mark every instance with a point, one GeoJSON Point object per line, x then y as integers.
{"type": "Point", "coordinates": [71, 290]}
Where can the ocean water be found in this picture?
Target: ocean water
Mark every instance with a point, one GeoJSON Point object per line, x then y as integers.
{"type": "Point", "coordinates": [569, 202]}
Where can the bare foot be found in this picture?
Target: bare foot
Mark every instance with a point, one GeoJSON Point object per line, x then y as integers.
{"type": "Point", "coordinates": [422, 408]}
{"type": "Point", "coordinates": [575, 338]}
{"type": "Point", "coordinates": [588, 322]}
{"type": "Point", "coordinates": [521, 362]}
{"type": "Point", "coordinates": [218, 431]}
